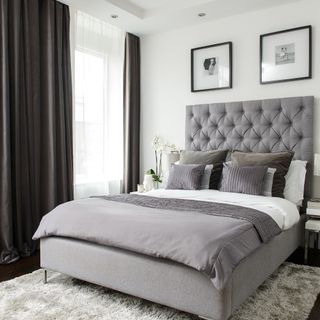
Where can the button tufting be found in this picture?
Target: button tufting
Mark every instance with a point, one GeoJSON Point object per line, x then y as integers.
{"type": "Point", "coordinates": [222, 125]}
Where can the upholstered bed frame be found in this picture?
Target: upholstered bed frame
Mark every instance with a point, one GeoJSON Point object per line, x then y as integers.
{"type": "Point", "coordinates": [261, 126]}
{"type": "Point", "coordinates": [270, 125]}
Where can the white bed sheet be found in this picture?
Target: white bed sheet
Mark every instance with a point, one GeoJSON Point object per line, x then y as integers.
{"type": "Point", "coordinates": [282, 211]}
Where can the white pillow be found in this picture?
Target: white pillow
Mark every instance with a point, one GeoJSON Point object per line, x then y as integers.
{"type": "Point", "coordinates": [268, 182]}
{"type": "Point", "coordinates": [295, 178]}
{"type": "Point", "coordinates": [205, 180]}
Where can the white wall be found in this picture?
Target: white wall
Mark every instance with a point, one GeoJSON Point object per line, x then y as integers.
{"type": "Point", "coordinates": [166, 69]}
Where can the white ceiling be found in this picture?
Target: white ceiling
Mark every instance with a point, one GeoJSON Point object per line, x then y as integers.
{"type": "Point", "coordinates": [151, 16]}
{"type": "Point", "coordinates": [150, 4]}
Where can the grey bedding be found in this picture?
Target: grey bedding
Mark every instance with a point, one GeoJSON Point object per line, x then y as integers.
{"type": "Point", "coordinates": [209, 237]}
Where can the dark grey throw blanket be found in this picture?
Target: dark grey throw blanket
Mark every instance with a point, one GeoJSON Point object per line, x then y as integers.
{"type": "Point", "coordinates": [266, 227]}
{"type": "Point", "coordinates": [207, 236]}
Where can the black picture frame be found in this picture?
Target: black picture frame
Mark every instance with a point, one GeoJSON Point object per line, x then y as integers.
{"type": "Point", "coordinates": [229, 86]}
{"type": "Point", "coordinates": [263, 36]}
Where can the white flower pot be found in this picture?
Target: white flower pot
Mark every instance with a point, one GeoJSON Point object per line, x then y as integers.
{"type": "Point", "coordinates": [148, 182]}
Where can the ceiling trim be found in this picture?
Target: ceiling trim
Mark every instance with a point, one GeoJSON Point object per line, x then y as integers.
{"type": "Point", "coordinates": [129, 7]}
{"type": "Point", "coordinates": [171, 15]}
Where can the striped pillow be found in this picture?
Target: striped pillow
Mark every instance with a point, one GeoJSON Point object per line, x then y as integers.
{"type": "Point", "coordinates": [185, 176]}
{"type": "Point", "coordinates": [247, 180]}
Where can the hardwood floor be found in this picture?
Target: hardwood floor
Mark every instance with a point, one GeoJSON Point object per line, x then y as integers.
{"type": "Point", "coordinates": [20, 267]}
{"type": "Point", "coordinates": [315, 312]}
{"type": "Point", "coordinates": [313, 258]}
{"type": "Point", "coordinates": [27, 265]}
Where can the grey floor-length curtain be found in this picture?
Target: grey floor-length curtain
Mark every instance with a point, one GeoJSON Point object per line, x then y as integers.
{"type": "Point", "coordinates": [35, 119]}
{"type": "Point", "coordinates": [131, 113]}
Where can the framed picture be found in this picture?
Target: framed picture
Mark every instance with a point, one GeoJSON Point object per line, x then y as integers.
{"type": "Point", "coordinates": [211, 67]}
{"type": "Point", "coordinates": [286, 55]}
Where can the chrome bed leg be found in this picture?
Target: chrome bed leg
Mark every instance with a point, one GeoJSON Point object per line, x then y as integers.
{"type": "Point", "coordinates": [204, 318]}
{"type": "Point", "coordinates": [45, 276]}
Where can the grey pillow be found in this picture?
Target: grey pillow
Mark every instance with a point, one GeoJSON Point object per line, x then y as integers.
{"type": "Point", "coordinates": [187, 177]}
{"type": "Point", "coordinates": [247, 180]}
{"type": "Point", "coordinates": [267, 181]}
{"type": "Point", "coordinates": [214, 157]}
{"type": "Point", "coordinates": [277, 160]}
{"type": "Point", "coordinates": [203, 157]}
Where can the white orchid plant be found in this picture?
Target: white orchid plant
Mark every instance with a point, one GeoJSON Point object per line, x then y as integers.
{"type": "Point", "coordinates": [160, 147]}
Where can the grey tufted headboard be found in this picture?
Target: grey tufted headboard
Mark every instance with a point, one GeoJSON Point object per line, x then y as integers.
{"type": "Point", "coordinates": [269, 125]}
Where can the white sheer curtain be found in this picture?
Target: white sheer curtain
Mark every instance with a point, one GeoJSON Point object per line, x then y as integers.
{"type": "Point", "coordinates": [98, 128]}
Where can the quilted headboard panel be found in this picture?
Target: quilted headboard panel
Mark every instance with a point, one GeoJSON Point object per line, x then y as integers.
{"type": "Point", "coordinates": [269, 125]}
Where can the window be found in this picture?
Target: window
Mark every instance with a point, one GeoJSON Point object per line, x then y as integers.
{"type": "Point", "coordinates": [98, 142]}
{"type": "Point", "coordinates": [89, 118]}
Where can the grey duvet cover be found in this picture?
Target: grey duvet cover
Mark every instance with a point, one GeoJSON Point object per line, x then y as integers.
{"type": "Point", "coordinates": [207, 236]}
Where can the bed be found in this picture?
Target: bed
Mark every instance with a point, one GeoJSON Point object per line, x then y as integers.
{"type": "Point", "coordinates": [252, 126]}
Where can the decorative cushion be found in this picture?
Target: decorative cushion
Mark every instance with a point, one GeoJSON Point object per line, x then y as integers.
{"type": "Point", "coordinates": [214, 157]}
{"type": "Point", "coordinates": [185, 176]}
{"type": "Point", "coordinates": [268, 182]}
{"type": "Point", "coordinates": [203, 157]}
{"type": "Point", "coordinates": [216, 174]}
{"type": "Point", "coordinates": [205, 180]}
{"type": "Point", "coordinates": [247, 180]}
{"type": "Point", "coordinates": [277, 160]}
{"type": "Point", "coordinates": [295, 179]}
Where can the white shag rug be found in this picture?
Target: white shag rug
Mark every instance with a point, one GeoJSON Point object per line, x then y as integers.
{"type": "Point", "coordinates": [289, 294]}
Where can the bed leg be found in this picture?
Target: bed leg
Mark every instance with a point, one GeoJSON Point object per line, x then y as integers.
{"type": "Point", "coordinates": [45, 276]}
{"type": "Point", "coordinates": [204, 318]}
